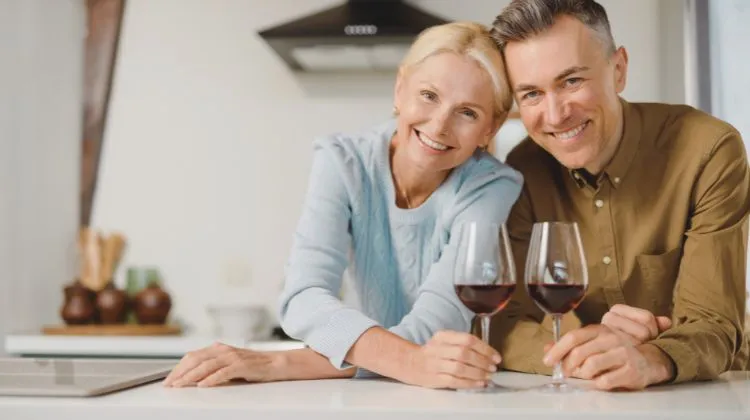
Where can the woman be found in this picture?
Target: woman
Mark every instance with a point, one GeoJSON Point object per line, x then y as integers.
{"type": "Point", "coordinates": [391, 200]}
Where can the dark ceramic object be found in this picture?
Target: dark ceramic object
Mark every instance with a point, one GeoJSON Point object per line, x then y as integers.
{"type": "Point", "coordinates": [152, 305]}
{"type": "Point", "coordinates": [112, 305]}
{"type": "Point", "coordinates": [79, 307]}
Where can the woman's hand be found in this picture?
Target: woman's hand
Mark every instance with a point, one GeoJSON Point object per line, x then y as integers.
{"type": "Point", "coordinates": [453, 360]}
{"type": "Point", "coordinates": [221, 363]}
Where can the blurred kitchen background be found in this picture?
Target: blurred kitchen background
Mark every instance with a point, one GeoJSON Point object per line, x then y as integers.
{"type": "Point", "coordinates": [205, 139]}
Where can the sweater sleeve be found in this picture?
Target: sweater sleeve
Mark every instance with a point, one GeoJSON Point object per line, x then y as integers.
{"type": "Point", "coordinates": [310, 308]}
{"type": "Point", "coordinates": [485, 197]}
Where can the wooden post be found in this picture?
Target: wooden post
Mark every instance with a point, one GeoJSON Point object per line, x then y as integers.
{"type": "Point", "coordinates": [103, 23]}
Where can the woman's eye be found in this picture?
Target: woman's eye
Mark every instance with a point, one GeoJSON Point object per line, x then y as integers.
{"type": "Point", "coordinates": [430, 96]}
{"type": "Point", "coordinates": [469, 113]}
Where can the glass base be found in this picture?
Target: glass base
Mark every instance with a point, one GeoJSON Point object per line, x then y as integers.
{"type": "Point", "coordinates": [491, 388]}
{"type": "Point", "coordinates": [557, 388]}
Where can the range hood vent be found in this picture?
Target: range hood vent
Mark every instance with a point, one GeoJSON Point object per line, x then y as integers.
{"type": "Point", "coordinates": [359, 35]}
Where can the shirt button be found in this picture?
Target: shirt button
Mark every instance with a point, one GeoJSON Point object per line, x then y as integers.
{"type": "Point", "coordinates": [599, 203]}
{"type": "Point", "coordinates": [410, 235]}
{"type": "Point", "coordinates": [617, 180]}
{"type": "Point", "coordinates": [606, 260]}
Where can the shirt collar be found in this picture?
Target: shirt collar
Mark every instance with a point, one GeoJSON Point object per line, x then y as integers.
{"type": "Point", "coordinates": [616, 170]}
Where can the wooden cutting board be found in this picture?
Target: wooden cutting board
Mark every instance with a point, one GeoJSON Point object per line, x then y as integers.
{"type": "Point", "coordinates": [115, 329]}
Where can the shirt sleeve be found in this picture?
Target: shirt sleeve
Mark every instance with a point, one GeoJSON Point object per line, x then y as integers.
{"type": "Point", "coordinates": [310, 307]}
{"type": "Point", "coordinates": [709, 299]}
{"type": "Point", "coordinates": [486, 197]}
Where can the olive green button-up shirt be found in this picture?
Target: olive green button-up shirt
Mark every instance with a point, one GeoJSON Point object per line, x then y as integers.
{"type": "Point", "coordinates": [664, 228]}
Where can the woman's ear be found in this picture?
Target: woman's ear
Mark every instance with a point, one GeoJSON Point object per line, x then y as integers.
{"type": "Point", "coordinates": [398, 89]}
{"type": "Point", "coordinates": [497, 122]}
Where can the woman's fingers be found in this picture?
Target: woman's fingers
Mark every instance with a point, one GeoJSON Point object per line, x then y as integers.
{"type": "Point", "coordinates": [200, 372]}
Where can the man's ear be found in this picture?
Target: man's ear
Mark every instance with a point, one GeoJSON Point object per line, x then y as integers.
{"type": "Point", "coordinates": [621, 69]}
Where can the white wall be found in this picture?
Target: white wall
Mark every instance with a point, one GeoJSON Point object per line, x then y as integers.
{"type": "Point", "coordinates": [207, 149]}
{"type": "Point", "coordinates": [40, 114]}
{"type": "Point", "coordinates": [671, 50]}
{"type": "Point", "coordinates": [729, 35]}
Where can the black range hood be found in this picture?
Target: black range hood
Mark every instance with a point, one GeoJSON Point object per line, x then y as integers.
{"type": "Point", "coordinates": [358, 35]}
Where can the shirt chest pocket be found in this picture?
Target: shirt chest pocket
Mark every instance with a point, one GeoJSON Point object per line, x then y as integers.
{"type": "Point", "coordinates": [658, 274]}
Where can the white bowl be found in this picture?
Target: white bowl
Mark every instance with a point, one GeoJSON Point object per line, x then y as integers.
{"type": "Point", "coordinates": [247, 322]}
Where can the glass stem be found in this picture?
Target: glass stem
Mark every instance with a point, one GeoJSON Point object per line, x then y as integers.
{"type": "Point", "coordinates": [485, 328]}
{"type": "Point", "coordinates": [557, 372]}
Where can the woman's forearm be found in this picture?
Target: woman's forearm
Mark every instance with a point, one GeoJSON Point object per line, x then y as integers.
{"type": "Point", "coordinates": [379, 350]}
{"type": "Point", "coordinates": [302, 364]}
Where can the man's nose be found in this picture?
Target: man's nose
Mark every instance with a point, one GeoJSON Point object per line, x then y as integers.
{"type": "Point", "coordinates": [557, 110]}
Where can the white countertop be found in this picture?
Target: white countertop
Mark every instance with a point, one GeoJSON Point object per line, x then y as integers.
{"type": "Point", "coordinates": [728, 398]}
{"type": "Point", "coordinates": [127, 346]}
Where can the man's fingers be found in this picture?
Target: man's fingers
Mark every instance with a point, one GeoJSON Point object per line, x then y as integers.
{"type": "Point", "coordinates": [570, 341]}
{"type": "Point", "coordinates": [579, 355]}
{"type": "Point", "coordinates": [664, 323]}
{"type": "Point", "coordinates": [620, 378]}
{"type": "Point", "coordinates": [463, 339]}
{"type": "Point", "coordinates": [612, 380]}
{"type": "Point", "coordinates": [641, 316]}
{"type": "Point", "coordinates": [602, 362]}
{"type": "Point", "coordinates": [638, 332]}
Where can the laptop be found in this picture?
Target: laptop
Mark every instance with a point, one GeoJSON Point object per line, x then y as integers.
{"type": "Point", "coordinates": [52, 377]}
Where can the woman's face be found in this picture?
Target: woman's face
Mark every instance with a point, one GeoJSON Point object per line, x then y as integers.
{"type": "Point", "coordinates": [446, 111]}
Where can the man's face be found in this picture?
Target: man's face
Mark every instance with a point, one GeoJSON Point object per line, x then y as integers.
{"type": "Point", "coordinates": [566, 85]}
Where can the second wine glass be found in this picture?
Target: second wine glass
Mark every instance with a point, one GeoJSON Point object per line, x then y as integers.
{"type": "Point", "coordinates": [485, 276]}
{"type": "Point", "coordinates": [556, 279]}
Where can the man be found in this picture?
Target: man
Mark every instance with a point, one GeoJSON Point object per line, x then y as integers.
{"type": "Point", "coordinates": [660, 193]}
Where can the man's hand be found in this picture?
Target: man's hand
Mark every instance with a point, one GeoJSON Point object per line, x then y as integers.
{"type": "Point", "coordinates": [610, 358]}
{"type": "Point", "coordinates": [637, 325]}
{"type": "Point", "coordinates": [452, 360]}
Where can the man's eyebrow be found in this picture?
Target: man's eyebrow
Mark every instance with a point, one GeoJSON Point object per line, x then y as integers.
{"type": "Point", "coordinates": [565, 73]}
{"type": "Point", "coordinates": [570, 70]}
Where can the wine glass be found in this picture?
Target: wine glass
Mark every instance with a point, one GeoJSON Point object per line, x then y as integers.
{"type": "Point", "coordinates": [484, 276]}
{"type": "Point", "coordinates": [556, 279]}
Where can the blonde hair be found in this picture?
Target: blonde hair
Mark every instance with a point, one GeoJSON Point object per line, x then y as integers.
{"type": "Point", "coordinates": [466, 39]}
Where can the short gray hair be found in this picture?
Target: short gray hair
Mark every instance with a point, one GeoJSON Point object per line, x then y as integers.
{"type": "Point", "coordinates": [522, 19]}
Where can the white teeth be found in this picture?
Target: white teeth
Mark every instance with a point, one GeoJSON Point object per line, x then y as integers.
{"type": "Point", "coordinates": [432, 144]}
{"type": "Point", "coordinates": [571, 133]}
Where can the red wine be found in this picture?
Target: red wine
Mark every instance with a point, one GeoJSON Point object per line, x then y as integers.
{"type": "Point", "coordinates": [556, 298]}
{"type": "Point", "coordinates": [485, 299]}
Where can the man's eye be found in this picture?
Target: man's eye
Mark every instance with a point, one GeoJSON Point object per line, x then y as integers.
{"type": "Point", "coordinates": [530, 95]}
